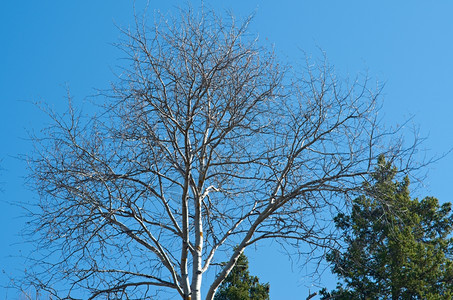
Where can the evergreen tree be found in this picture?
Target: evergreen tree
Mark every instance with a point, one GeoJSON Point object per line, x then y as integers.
{"type": "Point", "coordinates": [397, 247]}
{"type": "Point", "coordinates": [239, 285]}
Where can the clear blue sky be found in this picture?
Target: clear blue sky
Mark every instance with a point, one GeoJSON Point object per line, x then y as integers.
{"type": "Point", "coordinates": [48, 45]}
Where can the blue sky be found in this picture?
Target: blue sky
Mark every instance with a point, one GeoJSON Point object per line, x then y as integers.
{"type": "Point", "coordinates": [47, 46]}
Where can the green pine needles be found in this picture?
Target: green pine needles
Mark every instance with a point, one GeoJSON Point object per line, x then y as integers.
{"type": "Point", "coordinates": [396, 247]}
{"type": "Point", "coordinates": [239, 285]}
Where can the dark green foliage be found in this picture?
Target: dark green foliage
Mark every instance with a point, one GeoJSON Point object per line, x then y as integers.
{"type": "Point", "coordinates": [239, 285]}
{"type": "Point", "coordinates": [397, 247]}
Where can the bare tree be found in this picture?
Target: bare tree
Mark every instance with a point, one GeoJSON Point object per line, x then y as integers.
{"type": "Point", "coordinates": [205, 147]}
